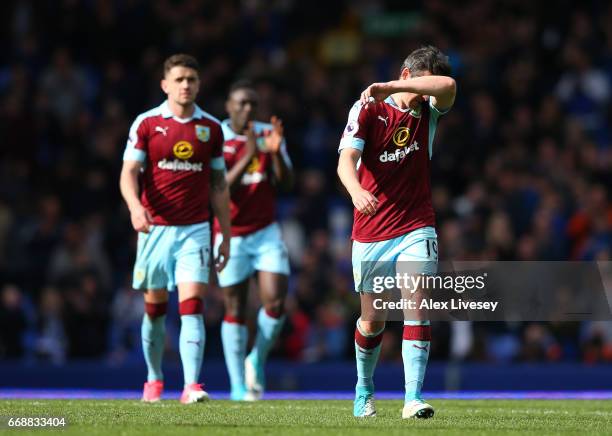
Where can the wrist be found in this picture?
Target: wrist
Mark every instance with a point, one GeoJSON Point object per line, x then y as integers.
{"type": "Point", "coordinates": [354, 189]}
{"type": "Point", "coordinates": [392, 86]}
{"type": "Point", "coordinates": [135, 206]}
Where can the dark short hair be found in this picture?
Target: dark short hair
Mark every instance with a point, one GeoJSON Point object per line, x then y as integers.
{"type": "Point", "coordinates": [427, 58]}
{"type": "Point", "coordinates": [181, 60]}
{"type": "Point", "coordinates": [241, 84]}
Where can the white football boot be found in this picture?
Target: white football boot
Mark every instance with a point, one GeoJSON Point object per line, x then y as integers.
{"type": "Point", "coordinates": [417, 409]}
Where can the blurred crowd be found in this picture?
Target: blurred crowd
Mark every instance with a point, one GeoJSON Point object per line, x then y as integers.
{"type": "Point", "coordinates": [521, 167]}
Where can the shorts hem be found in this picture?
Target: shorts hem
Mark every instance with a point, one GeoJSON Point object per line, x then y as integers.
{"type": "Point", "coordinates": [232, 282]}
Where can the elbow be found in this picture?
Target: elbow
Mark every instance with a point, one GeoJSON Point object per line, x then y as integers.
{"type": "Point", "coordinates": [343, 167]}
{"type": "Point", "coordinates": [450, 86]}
{"type": "Point", "coordinates": [124, 178]}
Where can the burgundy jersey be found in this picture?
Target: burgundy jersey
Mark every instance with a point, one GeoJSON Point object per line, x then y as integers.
{"type": "Point", "coordinates": [396, 149]}
{"type": "Point", "coordinates": [177, 156]}
{"type": "Point", "coordinates": [253, 202]}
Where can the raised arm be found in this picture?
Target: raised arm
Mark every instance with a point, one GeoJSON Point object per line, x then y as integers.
{"type": "Point", "coordinates": [237, 170]}
{"type": "Point", "coordinates": [128, 184]}
{"type": "Point", "coordinates": [441, 89]}
{"type": "Point", "coordinates": [281, 165]}
{"type": "Point", "coordinates": [363, 200]}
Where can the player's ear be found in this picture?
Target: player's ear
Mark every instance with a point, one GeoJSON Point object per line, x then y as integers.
{"type": "Point", "coordinates": [164, 85]}
{"type": "Point", "coordinates": [405, 74]}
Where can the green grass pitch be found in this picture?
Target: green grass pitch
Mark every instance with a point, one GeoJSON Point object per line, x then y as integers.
{"type": "Point", "coordinates": [453, 417]}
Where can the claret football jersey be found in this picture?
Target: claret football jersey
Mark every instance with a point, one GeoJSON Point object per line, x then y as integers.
{"type": "Point", "coordinates": [253, 201]}
{"type": "Point", "coordinates": [177, 156]}
{"type": "Point", "coordinates": [396, 147]}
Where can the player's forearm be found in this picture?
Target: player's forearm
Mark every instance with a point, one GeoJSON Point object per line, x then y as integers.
{"type": "Point", "coordinates": [347, 173]}
{"type": "Point", "coordinates": [220, 204]}
{"type": "Point", "coordinates": [235, 173]}
{"type": "Point", "coordinates": [128, 185]}
{"type": "Point", "coordinates": [436, 86]}
{"type": "Point", "coordinates": [282, 172]}
{"type": "Point", "coordinates": [219, 199]}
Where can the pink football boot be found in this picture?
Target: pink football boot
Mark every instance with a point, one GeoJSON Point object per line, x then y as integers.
{"type": "Point", "coordinates": [152, 391]}
{"type": "Point", "coordinates": [194, 393]}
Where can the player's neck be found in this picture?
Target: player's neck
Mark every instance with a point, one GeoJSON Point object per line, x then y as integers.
{"type": "Point", "coordinates": [181, 111]}
{"type": "Point", "coordinates": [236, 127]}
{"type": "Point", "coordinates": [402, 99]}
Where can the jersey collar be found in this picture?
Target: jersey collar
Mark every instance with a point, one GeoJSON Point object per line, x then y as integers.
{"type": "Point", "coordinates": [392, 103]}
{"type": "Point", "coordinates": [198, 113]}
{"type": "Point", "coordinates": [228, 132]}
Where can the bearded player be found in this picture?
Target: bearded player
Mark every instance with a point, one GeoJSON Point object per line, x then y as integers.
{"type": "Point", "coordinates": [384, 164]}
{"type": "Point", "coordinates": [175, 152]}
{"type": "Point", "coordinates": [258, 164]}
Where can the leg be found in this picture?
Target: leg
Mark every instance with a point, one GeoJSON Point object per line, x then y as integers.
{"type": "Point", "coordinates": [273, 291]}
{"type": "Point", "coordinates": [270, 320]}
{"type": "Point", "coordinates": [420, 257]}
{"type": "Point", "coordinates": [192, 338]}
{"type": "Point", "coordinates": [271, 261]}
{"type": "Point", "coordinates": [153, 333]}
{"type": "Point", "coordinates": [234, 281]}
{"type": "Point", "coordinates": [234, 335]}
{"type": "Point", "coordinates": [415, 346]}
{"type": "Point", "coordinates": [415, 353]}
{"type": "Point", "coordinates": [368, 339]}
{"type": "Point", "coordinates": [367, 259]}
{"type": "Point", "coordinates": [190, 273]}
{"type": "Point", "coordinates": [151, 276]}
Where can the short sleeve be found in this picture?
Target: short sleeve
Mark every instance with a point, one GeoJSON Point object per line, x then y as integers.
{"type": "Point", "coordinates": [437, 113]}
{"type": "Point", "coordinates": [217, 162]}
{"type": "Point", "coordinates": [434, 115]}
{"type": "Point", "coordinates": [137, 144]}
{"type": "Point", "coordinates": [356, 129]}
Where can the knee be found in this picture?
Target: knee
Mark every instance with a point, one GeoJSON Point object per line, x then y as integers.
{"type": "Point", "coordinates": [371, 327]}
{"type": "Point", "coordinates": [191, 306]}
{"type": "Point", "coordinates": [275, 308]}
{"type": "Point", "coordinates": [235, 314]}
{"type": "Point", "coordinates": [235, 308]}
{"type": "Point", "coordinates": [155, 310]}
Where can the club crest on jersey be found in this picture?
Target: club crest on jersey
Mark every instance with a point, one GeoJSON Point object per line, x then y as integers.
{"type": "Point", "coordinates": [183, 150]}
{"type": "Point", "coordinates": [202, 132]}
{"type": "Point", "coordinates": [401, 136]}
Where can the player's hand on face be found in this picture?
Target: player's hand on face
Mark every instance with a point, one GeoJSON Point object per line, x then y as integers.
{"type": "Point", "coordinates": [251, 143]}
{"type": "Point", "coordinates": [222, 255]}
{"type": "Point", "coordinates": [141, 219]}
{"type": "Point", "coordinates": [365, 202]}
{"type": "Point", "coordinates": [274, 138]}
{"type": "Point", "coordinates": [375, 93]}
